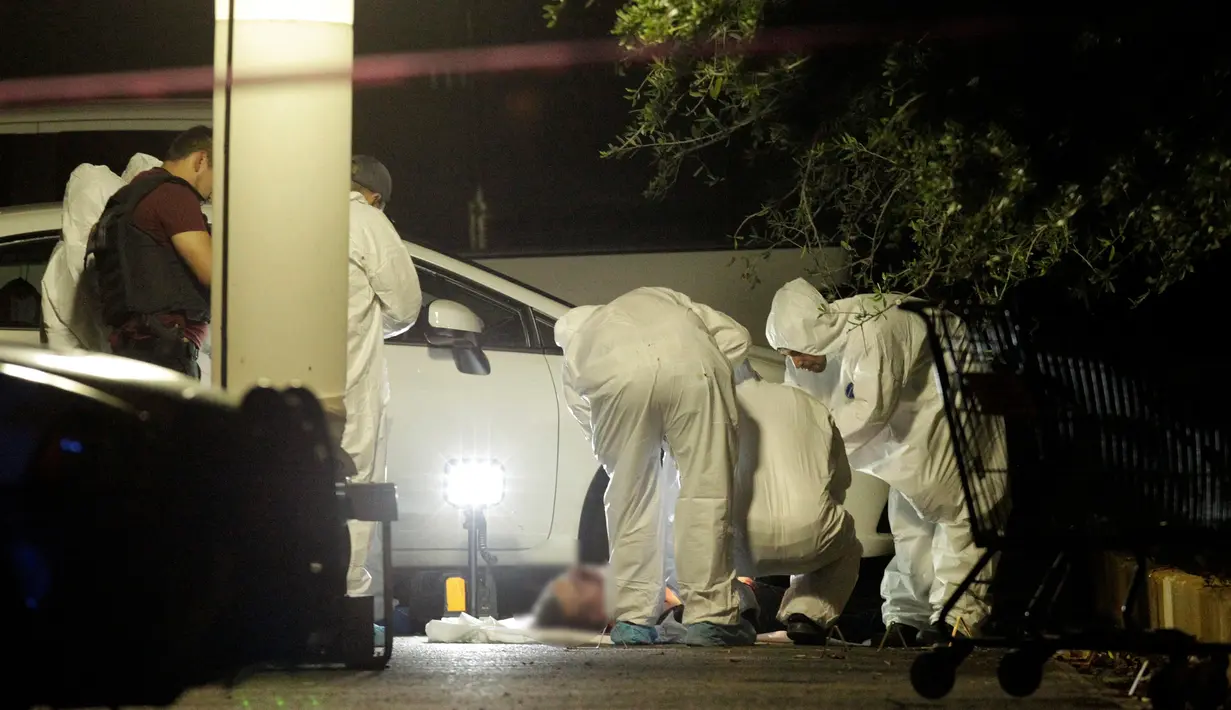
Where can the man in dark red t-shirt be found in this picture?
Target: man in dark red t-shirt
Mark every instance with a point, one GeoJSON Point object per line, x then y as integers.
{"type": "Point", "coordinates": [171, 215]}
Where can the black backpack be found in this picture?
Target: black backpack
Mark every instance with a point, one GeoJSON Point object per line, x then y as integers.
{"type": "Point", "coordinates": [136, 275]}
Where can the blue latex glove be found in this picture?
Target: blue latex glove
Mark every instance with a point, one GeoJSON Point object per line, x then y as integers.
{"type": "Point", "coordinates": [378, 634]}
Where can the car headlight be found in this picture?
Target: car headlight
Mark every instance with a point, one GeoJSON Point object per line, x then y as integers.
{"type": "Point", "coordinates": [474, 483]}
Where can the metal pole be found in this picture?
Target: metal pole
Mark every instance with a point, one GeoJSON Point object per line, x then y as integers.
{"type": "Point", "coordinates": [472, 559]}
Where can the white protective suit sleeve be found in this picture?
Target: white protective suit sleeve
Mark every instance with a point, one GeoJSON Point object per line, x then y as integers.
{"type": "Point", "coordinates": [577, 404]}
{"type": "Point", "coordinates": [878, 372]}
{"type": "Point", "coordinates": [394, 279]}
{"type": "Point", "coordinates": [566, 327]}
{"type": "Point", "coordinates": [839, 464]}
{"type": "Point", "coordinates": [744, 372]}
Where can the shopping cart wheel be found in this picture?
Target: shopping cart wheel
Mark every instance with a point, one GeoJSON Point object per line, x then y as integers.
{"type": "Point", "coordinates": [1168, 685]}
{"type": "Point", "coordinates": [933, 673]}
{"type": "Point", "coordinates": [1208, 684]}
{"type": "Point", "coordinates": [1020, 673]}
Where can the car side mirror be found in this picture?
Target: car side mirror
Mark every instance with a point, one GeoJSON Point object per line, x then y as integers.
{"type": "Point", "coordinates": [452, 325]}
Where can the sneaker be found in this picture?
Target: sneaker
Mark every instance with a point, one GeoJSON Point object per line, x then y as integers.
{"type": "Point", "coordinates": [626, 634]}
{"type": "Point", "coordinates": [707, 634]}
{"type": "Point", "coordinates": [899, 635]}
{"type": "Point", "coordinates": [806, 632]}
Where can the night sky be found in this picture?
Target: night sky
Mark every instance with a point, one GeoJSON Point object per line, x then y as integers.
{"type": "Point", "coordinates": [530, 139]}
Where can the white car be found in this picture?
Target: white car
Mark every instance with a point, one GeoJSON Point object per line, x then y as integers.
{"type": "Point", "coordinates": [497, 406]}
{"type": "Point", "coordinates": [511, 419]}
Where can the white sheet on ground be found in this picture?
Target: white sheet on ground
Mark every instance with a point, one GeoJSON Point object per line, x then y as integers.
{"type": "Point", "coordinates": [468, 629]}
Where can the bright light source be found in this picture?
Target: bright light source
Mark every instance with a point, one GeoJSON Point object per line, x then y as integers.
{"type": "Point", "coordinates": [474, 483]}
{"type": "Point", "coordinates": [342, 11]}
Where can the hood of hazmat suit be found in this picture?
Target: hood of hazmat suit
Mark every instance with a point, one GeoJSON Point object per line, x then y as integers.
{"type": "Point", "coordinates": [70, 313]}
{"type": "Point", "coordinates": [801, 319]}
{"type": "Point", "coordinates": [384, 301]}
{"type": "Point", "coordinates": [138, 164]}
{"type": "Point", "coordinates": [653, 367]}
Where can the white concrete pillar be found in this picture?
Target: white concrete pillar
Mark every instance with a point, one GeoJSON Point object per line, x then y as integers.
{"type": "Point", "coordinates": [281, 186]}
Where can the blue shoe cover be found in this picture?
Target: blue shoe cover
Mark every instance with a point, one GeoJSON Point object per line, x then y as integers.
{"type": "Point", "coordinates": [378, 634]}
{"type": "Point", "coordinates": [626, 634]}
{"type": "Point", "coordinates": [707, 634]}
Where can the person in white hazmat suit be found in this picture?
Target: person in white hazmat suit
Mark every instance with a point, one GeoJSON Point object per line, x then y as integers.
{"type": "Point", "coordinates": [384, 302]}
{"type": "Point", "coordinates": [790, 485]}
{"type": "Point", "coordinates": [652, 366]}
{"type": "Point", "coordinates": [71, 312]}
{"type": "Point", "coordinates": [888, 407]}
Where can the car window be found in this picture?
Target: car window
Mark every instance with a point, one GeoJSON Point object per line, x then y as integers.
{"type": "Point", "coordinates": [504, 321]}
{"type": "Point", "coordinates": [22, 262]}
{"type": "Point", "coordinates": [546, 326]}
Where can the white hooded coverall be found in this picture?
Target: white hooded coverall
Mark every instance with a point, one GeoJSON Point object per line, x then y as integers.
{"type": "Point", "coordinates": [384, 302]}
{"type": "Point", "coordinates": [790, 486]}
{"type": "Point", "coordinates": [654, 366]}
{"type": "Point", "coordinates": [72, 316]}
{"type": "Point", "coordinates": [891, 415]}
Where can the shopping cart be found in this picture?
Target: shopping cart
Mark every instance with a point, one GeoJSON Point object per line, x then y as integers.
{"type": "Point", "coordinates": [1092, 460]}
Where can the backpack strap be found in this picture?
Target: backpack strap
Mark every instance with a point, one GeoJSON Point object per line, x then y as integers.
{"type": "Point", "coordinates": [137, 190]}
{"type": "Point", "coordinates": [122, 204]}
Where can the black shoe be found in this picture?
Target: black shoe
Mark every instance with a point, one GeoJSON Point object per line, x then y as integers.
{"type": "Point", "coordinates": [805, 632]}
{"type": "Point", "coordinates": [900, 635]}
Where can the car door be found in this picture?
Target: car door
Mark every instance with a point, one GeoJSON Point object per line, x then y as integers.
{"type": "Point", "coordinates": [23, 258]}
{"type": "Point", "coordinates": [440, 416]}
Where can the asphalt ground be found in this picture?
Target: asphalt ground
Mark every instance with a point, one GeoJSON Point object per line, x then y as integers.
{"type": "Point", "coordinates": [487, 677]}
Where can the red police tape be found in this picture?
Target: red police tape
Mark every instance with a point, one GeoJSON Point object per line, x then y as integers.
{"type": "Point", "coordinates": [390, 68]}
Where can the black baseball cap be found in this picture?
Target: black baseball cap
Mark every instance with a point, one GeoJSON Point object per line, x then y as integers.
{"type": "Point", "coordinates": [370, 173]}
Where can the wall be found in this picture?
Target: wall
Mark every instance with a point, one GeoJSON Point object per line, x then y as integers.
{"type": "Point", "coordinates": [715, 278]}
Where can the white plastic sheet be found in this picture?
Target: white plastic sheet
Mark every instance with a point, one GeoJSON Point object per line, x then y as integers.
{"type": "Point", "coordinates": [468, 629]}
